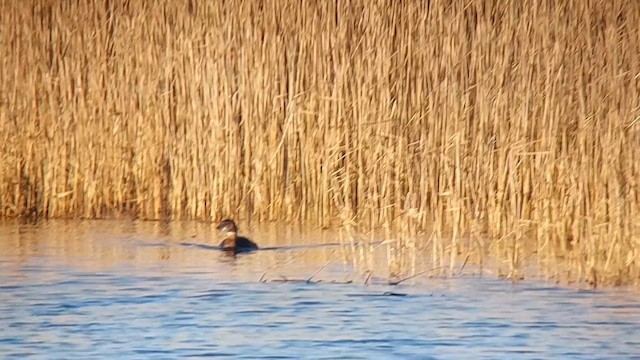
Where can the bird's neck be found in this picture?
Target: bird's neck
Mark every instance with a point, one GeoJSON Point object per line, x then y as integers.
{"type": "Point", "coordinates": [230, 239]}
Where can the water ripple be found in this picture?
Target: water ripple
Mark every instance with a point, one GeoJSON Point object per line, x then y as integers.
{"type": "Point", "coordinates": [216, 307]}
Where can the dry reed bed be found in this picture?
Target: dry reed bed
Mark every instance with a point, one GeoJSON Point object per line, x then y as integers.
{"type": "Point", "coordinates": [514, 124]}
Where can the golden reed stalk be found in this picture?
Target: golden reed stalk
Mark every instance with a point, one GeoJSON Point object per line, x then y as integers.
{"type": "Point", "coordinates": [515, 121]}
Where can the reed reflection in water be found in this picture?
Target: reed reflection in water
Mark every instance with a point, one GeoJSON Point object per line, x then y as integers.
{"type": "Point", "coordinates": [104, 289]}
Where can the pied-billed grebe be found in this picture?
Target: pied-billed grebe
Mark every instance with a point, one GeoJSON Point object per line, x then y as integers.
{"type": "Point", "coordinates": [232, 241]}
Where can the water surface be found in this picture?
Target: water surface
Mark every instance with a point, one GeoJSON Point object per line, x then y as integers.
{"type": "Point", "coordinates": [111, 289]}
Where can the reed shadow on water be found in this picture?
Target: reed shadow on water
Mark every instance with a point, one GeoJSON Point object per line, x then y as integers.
{"type": "Point", "coordinates": [101, 289]}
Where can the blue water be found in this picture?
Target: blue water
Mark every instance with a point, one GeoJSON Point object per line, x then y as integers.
{"type": "Point", "coordinates": [107, 293]}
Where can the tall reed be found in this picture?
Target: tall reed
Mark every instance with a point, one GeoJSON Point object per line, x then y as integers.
{"type": "Point", "coordinates": [513, 121]}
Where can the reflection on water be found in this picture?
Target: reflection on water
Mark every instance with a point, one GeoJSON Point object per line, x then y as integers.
{"type": "Point", "coordinates": [106, 289]}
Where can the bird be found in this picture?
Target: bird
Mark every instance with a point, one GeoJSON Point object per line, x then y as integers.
{"type": "Point", "coordinates": [233, 242]}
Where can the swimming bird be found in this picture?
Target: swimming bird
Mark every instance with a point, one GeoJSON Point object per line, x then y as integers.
{"type": "Point", "coordinates": [233, 242]}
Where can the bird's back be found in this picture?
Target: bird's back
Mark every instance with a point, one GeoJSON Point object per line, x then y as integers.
{"type": "Point", "coordinates": [242, 243]}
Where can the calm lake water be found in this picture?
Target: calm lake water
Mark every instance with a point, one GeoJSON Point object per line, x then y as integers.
{"type": "Point", "coordinates": [109, 289]}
